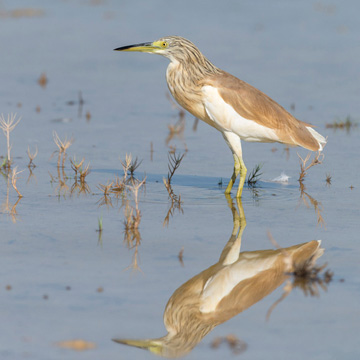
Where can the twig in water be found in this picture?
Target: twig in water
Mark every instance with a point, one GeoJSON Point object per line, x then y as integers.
{"type": "Point", "coordinates": [318, 159]}
{"type": "Point", "coordinates": [174, 163]}
{"type": "Point", "coordinates": [75, 165]}
{"type": "Point", "coordinates": [328, 179]}
{"type": "Point", "coordinates": [254, 176]}
{"type": "Point", "coordinates": [63, 146]}
{"type": "Point", "coordinates": [133, 166]}
{"type": "Point", "coordinates": [14, 179]}
{"type": "Point", "coordinates": [32, 156]}
{"type": "Point", "coordinates": [7, 127]}
{"type": "Point", "coordinates": [84, 172]}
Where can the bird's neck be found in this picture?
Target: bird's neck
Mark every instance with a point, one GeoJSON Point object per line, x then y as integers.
{"type": "Point", "coordinates": [195, 68]}
{"type": "Point", "coordinates": [185, 86]}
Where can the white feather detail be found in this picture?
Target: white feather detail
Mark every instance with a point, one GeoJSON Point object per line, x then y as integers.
{"type": "Point", "coordinates": [227, 119]}
{"type": "Point", "coordinates": [318, 137]}
{"type": "Point", "coordinates": [221, 284]}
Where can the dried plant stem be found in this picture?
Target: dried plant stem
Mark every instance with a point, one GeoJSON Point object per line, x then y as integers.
{"type": "Point", "coordinates": [63, 146]}
{"type": "Point", "coordinates": [174, 163]}
{"type": "Point", "coordinates": [14, 178]}
{"type": "Point", "coordinates": [7, 127]}
{"type": "Point", "coordinates": [304, 167]}
{"type": "Point", "coordinates": [32, 156]}
{"type": "Point", "coordinates": [75, 165]}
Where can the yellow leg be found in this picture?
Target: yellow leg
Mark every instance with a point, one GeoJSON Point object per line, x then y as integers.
{"type": "Point", "coordinates": [243, 171]}
{"type": "Point", "coordinates": [236, 172]}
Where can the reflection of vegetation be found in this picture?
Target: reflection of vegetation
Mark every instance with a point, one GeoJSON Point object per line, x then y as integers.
{"type": "Point", "coordinates": [236, 345]}
{"type": "Point", "coordinates": [181, 256]}
{"type": "Point", "coordinates": [62, 147]}
{"type": "Point", "coordinates": [328, 179]}
{"type": "Point", "coordinates": [105, 199]}
{"type": "Point", "coordinates": [31, 176]}
{"type": "Point", "coordinates": [6, 206]}
{"type": "Point", "coordinates": [14, 179]}
{"type": "Point", "coordinates": [174, 163]}
{"type": "Point", "coordinates": [132, 221]}
{"type": "Point", "coordinates": [309, 200]}
{"type": "Point", "coordinates": [32, 156]}
{"type": "Point", "coordinates": [305, 275]}
{"type": "Point", "coordinates": [100, 229]}
{"type": "Point", "coordinates": [346, 124]}
{"type": "Point", "coordinates": [233, 284]}
{"type": "Point", "coordinates": [176, 130]}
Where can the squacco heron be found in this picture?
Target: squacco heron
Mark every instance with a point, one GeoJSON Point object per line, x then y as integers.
{"type": "Point", "coordinates": [233, 284]}
{"type": "Point", "coordinates": [235, 108]}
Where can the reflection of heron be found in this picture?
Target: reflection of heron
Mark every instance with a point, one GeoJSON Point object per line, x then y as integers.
{"type": "Point", "coordinates": [230, 105]}
{"type": "Point", "coordinates": [236, 282]}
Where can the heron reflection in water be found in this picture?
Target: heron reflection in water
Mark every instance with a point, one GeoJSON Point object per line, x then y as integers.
{"type": "Point", "coordinates": [235, 283]}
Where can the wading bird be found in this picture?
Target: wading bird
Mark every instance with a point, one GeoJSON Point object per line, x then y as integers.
{"type": "Point", "coordinates": [233, 284]}
{"type": "Point", "coordinates": [235, 108]}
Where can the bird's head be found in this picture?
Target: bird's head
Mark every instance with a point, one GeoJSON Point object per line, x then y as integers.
{"type": "Point", "coordinates": [175, 48]}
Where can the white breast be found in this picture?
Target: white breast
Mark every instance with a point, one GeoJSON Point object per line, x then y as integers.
{"type": "Point", "coordinates": [222, 283]}
{"type": "Point", "coordinates": [228, 119]}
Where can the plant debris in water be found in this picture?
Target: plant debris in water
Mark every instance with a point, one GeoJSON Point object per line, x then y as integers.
{"type": "Point", "coordinates": [304, 166]}
{"type": "Point", "coordinates": [236, 345]}
{"type": "Point", "coordinates": [77, 345]}
{"type": "Point", "coordinates": [174, 163]}
{"type": "Point", "coordinates": [307, 276]}
{"type": "Point", "coordinates": [7, 126]}
{"type": "Point", "coordinates": [254, 176]}
{"type": "Point", "coordinates": [346, 124]}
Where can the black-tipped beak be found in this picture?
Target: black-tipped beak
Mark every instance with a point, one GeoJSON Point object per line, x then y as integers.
{"type": "Point", "coordinates": [144, 47]}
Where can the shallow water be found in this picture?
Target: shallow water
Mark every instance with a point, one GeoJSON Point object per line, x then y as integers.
{"type": "Point", "coordinates": [60, 280]}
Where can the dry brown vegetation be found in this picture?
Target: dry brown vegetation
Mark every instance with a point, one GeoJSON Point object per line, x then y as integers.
{"type": "Point", "coordinates": [309, 200]}
{"type": "Point", "coordinates": [62, 145]}
{"type": "Point", "coordinates": [14, 179]}
{"type": "Point", "coordinates": [328, 179]}
{"type": "Point", "coordinates": [32, 156]}
{"type": "Point", "coordinates": [77, 345]}
{"type": "Point", "coordinates": [346, 124]}
{"type": "Point", "coordinates": [22, 12]}
{"type": "Point", "coordinates": [305, 166]}
{"type": "Point", "coordinates": [7, 126]}
{"type": "Point", "coordinates": [236, 345]}
{"type": "Point", "coordinates": [306, 276]}
{"type": "Point", "coordinates": [43, 80]}
{"type": "Point", "coordinates": [6, 206]}
{"type": "Point", "coordinates": [174, 163]}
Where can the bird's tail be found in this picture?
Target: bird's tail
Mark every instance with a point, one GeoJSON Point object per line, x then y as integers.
{"type": "Point", "coordinates": [318, 137]}
{"type": "Point", "coordinates": [305, 254]}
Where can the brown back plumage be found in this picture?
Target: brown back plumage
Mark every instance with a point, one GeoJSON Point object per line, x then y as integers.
{"type": "Point", "coordinates": [191, 70]}
{"type": "Point", "coordinates": [254, 105]}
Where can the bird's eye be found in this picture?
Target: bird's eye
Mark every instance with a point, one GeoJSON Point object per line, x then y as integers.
{"type": "Point", "coordinates": [164, 44]}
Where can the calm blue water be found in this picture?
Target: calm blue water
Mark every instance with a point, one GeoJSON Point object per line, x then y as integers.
{"type": "Point", "coordinates": [301, 53]}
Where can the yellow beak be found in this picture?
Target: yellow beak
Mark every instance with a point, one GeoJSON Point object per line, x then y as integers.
{"type": "Point", "coordinates": [151, 345]}
{"type": "Point", "coordinates": [143, 47]}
